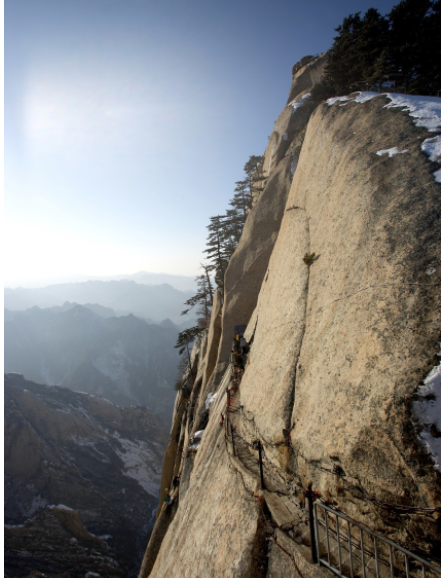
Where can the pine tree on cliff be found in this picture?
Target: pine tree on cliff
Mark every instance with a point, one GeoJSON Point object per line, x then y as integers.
{"type": "Point", "coordinates": [224, 235]}
{"type": "Point", "coordinates": [217, 249]}
{"type": "Point", "coordinates": [372, 47]}
{"type": "Point", "coordinates": [241, 201]}
{"type": "Point", "coordinates": [343, 68]}
{"type": "Point", "coordinates": [255, 176]}
{"type": "Point", "coordinates": [414, 49]}
{"type": "Point", "coordinates": [253, 183]}
{"type": "Point", "coordinates": [186, 338]}
{"type": "Point", "coordinates": [429, 47]}
{"type": "Point", "coordinates": [203, 298]}
{"type": "Point", "coordinates": [356, 60]}
{"type": "Point", "coordinates": [235, 218]}
{"type": "Point", "coordinates": [232, 230]}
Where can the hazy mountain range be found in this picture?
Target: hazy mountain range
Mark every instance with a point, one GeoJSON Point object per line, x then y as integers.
{"type": "Point", "coordinates": [124, 359]}
{"type": "Point", "coordinates": [152, 302]}
{"type": "Point", "coordinates": [180, 282]}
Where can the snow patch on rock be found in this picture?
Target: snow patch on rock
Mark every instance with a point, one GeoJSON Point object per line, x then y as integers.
{"type": "Point", "coordinates": [37, 503]}
{"type": "Point", "coordinates": [432, 147]}
{"type": "Point", "coordinates": [13, 526]}
{"type": "Point", "coordinates": [60, 507]}
{"type": "Point", "coordinates": [140, 464]}
{"type": "Point", "coordinates": [391, 152]}
{"type": "Point", "coordinates": [211, 398]}
{"type": "Point", "coordinates": [427, 412]}
{"type": "Point", "coordinates": [425, 110]}
{"type": "Point", "coordinates": [297, 105]}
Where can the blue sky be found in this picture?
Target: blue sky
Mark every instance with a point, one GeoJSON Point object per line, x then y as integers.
{"type": "Point", "coordinates": [127, 123]}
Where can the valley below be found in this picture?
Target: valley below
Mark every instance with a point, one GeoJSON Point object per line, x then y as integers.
{"type": "Point", "coordinates": [82, 479]}
{"type": "Point", "coordinates": [123, 359]}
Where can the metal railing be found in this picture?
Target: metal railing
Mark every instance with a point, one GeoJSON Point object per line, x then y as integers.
{"type": "Point", "coordinates": [358, 551]}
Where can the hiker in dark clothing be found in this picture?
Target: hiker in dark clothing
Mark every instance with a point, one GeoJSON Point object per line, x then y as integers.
{"type": "Point", "coordinates": [243, 343]}
{"type": "Point", "coordinates": [236, 359]}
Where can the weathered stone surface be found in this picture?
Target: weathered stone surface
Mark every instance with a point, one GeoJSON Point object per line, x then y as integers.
{"type": "Point", "coordinates": [292, 561]}
{"type": "Point", "coordinates": [72, 523]}
{"type": "Point", "coordinates": [209, 360]}
{"type": "Point", "coordinates": [171, 450]}
{"type": "Point", "coordinates": [165, 516]}
{"type": "Point", "coordinates": [283, 510]}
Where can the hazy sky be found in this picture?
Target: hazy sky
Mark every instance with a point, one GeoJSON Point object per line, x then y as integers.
{"type": "Point", "coordinates": [127, 123]}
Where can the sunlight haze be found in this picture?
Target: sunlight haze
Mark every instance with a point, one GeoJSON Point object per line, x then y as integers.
{"type": "Point", "coordinates": [127, 124]}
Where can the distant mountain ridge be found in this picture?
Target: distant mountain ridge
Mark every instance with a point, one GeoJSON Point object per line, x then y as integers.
{"type": "Point", "coordinates": [124, 359]}
{"type": "Point", "coordinates": [101, 311]}
{"type": "Point", "coordinates": [154, 302]}
{"type": "Point", "coordinates": [179, 282]}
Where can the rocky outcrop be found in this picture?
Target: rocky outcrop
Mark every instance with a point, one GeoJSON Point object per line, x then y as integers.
{"type": "Point", "coordinates": [340, 292]}
{"type": "Point", "coordinates": [96, 458]}
{"type": "Point", "coordinates": [306, 73]}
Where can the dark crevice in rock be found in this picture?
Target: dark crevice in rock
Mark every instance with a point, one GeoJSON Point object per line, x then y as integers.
{"type": "Point", "coordinates": [260, 549]}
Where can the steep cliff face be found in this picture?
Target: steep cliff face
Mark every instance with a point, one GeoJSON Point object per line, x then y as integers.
{"type": "Point", "coordinates": [337, 278]}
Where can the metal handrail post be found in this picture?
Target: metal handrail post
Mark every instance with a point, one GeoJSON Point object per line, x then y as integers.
{"type": "Point", "coordinates": [328, 537]}
{"type": "Point", "coordinates": [391, 561]}
{"type": "Point", "coordinates": [317, 534]}
{"type": "Point", "coordinates": [376, 557]}
{"type": "Point", "coordinates": [339, 544]}
{"type": "Point", "coordinates": [350, 549]}
{"type": "Point", "coordinates": [261, 468]}
{"type": "Point", "coordinates": [309, 494]}
{"type": "Point", "coordinates": [363, 555]}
